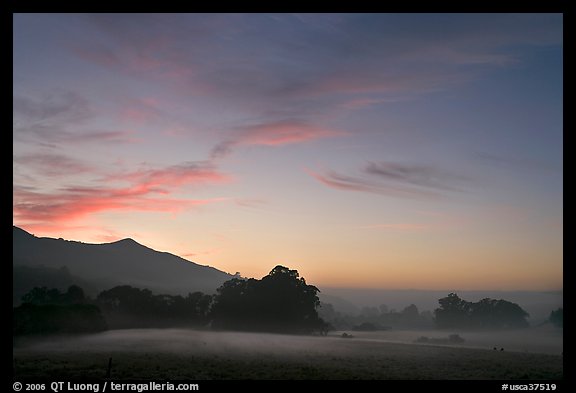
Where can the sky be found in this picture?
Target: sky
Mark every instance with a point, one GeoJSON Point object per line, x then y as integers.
{"type": "Point", "coordinates": [394, 151]}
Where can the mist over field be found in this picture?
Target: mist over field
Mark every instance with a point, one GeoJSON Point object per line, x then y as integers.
{"type": "Point", "coordinates": [534, 340]}
{"type": "Point", "coordinates": [277, 327]}
{"type": "Point", "coordinates": [183, 353]}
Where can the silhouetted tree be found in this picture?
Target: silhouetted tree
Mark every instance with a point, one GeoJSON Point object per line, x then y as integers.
{"type": "Point", "coordinates": [369, 312]}
{"type": "Point", "coordinates": [486, 313]}
{"type": "Point", "coordinates": [509, 315]}
{"type": "Point", "coordinates": [383, 309]}
{"type": "Point", "coordinates": [126, 299]}
{"type": "Point", "coordinates": [453, 311]}
{"type": "Point", "coordinates": [74, 295]}
{"type": "Point", "coordinates": [279, 302]}
{"type": "Point", "coordinates": [482, 313]}
{"type": "Point", "coordinates": [234, 305]}
{"type": "Point", "coordinates": [557, 317]}
{"type": "Point", "coordinates": [410, 312]}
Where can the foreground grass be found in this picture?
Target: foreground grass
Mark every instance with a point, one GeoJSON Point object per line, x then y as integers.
{"type": "Point", "coordinates": [204, 357]}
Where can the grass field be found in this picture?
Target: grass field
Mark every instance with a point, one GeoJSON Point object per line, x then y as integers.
{"type": "Point", "coordinates": [199, 355]}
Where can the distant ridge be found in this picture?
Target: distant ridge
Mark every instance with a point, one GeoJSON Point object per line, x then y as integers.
{"type": "Point", "coordinates": [121, 262]}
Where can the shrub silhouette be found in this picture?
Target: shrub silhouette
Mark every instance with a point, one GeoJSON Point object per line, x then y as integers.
{"type": "Point", "coordinates": [125, 307]}
{"type": "Point", "coordinates": [46, 311]}
{"type": "Point", "coordinates": [557, 317]}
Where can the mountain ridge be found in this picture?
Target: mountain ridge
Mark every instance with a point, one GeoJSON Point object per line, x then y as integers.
{"type": "Point", "coordinates": [121, 262]}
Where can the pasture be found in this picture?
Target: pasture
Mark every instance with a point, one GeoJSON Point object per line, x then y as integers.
{"type": "Point", "coordinates": [204, 355]}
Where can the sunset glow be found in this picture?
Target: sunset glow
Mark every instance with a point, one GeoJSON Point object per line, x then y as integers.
{"type": "Point", "coordinates": [417, 151]}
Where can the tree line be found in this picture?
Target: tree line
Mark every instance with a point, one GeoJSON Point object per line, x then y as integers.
{"type": "Point", "coordinates": [487, 313]}
{"type": "Point", "coordinates": [50, 311]}
{"type": "Point", "coordinates": [453, 312]}
{"type": "Point", "coordinates": [280, 302]}
{"type": "Point", "coordinates": [377, 318]}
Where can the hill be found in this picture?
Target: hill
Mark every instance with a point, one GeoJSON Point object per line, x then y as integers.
{"type": "Point", "coordinates": [105, 265]}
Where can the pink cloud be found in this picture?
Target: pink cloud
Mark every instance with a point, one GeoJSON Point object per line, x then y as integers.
{"type": "Point", "coordinates": [75, 203]}
{"type": "Point", "coordinates": [140, 110]}
{"type": "Point", "coordinates": [153, 58]}
{"type": "Point", "coordinates": [284, 132]}
{"type": "Point", "coordinates": [98, 54]}
{"type": "Point", "coordinates": [275, 134]}
{"type": "Point", "coordinates": [148, 190]}
{"type": "Point", "coordinates": [191, 173]}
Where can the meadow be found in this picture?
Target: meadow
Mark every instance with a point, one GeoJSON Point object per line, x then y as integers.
{"type": "Point", "coordinates": [203, 355]}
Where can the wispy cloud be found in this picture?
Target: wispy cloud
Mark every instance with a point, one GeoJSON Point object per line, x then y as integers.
{"type": "Point", "coordinates": [273, 134]}
{"type": "Point", "coordinates": [308, 66]}
{"type": "Point", "coordinates": [77, 202]}
{"type": "Point", "coordinates": [54, 136]}
{"type": "Point", "coordinates": [188, 173]}
{"type": "Point", "coordinates": [155, 52]}
{"type": "Point", "coordinates": [395, 179]}
{"type": "Point", "coordinates": [58, 118]}
{"type": "Point", "coordinates": [356, 57]}
{"type": "Point", "coordinates": [514, 163]}
{"type": "Point", "coordinates": [61, 105]}
{"type": "Point", "coordinates": [250, 202]}
{"type": "Point", "coordinates": [147, 190]}
{"type": "Point", "coordinates": [52, 164]}
{"type": "Point", "coordinates": [140, 110]}
{"type": "Point", "coordinates": [350, 183]}
{"type": "Point", "coordinates": [343, 182]}
{"type": "Point", "coordinates": [420, 175]}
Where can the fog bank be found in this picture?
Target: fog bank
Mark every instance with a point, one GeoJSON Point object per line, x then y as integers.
{"type": "Point", "coordinates": [544, 339]}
